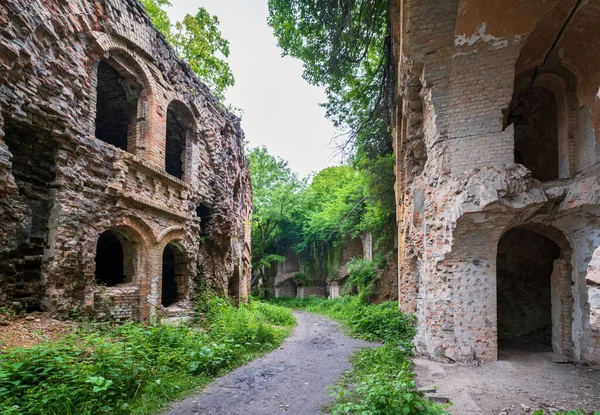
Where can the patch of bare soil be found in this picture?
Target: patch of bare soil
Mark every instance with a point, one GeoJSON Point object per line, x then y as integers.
{"type": "Point", "coordinates": [291, 379]}
{"type": "Point", "coordinates": [526, 377]}
{"type": "Point", "coordinates": [29, 330]}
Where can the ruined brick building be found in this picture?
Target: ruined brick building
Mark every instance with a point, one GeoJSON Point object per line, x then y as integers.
{"type": "Point", "coordinates": [123, 180]}
{"type": "Point", "coordinates": [498, 186]}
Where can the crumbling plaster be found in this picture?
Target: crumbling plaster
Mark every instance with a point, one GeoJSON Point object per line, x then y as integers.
{"type": "Point", "coordinates": [457, 62]}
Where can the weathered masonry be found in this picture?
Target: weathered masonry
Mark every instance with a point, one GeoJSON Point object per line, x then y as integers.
{"type": "Point", "coordinates": [498, 187]}
{"type": "Point", "coordinates": [123, 182]}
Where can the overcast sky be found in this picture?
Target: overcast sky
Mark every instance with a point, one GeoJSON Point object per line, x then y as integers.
{"type": "Point", "coordinates": [281, 110]}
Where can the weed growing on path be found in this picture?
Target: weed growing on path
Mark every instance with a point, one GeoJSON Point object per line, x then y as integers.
{"type": "Point", "coordinates": [136, 368]}
{"type": "Point", "coordinates": [381, 379]}
{"type": "Point", "coordinates": [381, 382]}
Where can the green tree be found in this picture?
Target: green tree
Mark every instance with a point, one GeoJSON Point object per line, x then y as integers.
{"type": "Point", "coordinates": [345, 47]}
{"type": "Point", "coordinates": [198, 41]}
{"type": "Point", "coordinates": [276, 192]}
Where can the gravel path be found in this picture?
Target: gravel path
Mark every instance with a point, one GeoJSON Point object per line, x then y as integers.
{"type": "Point", "coordinates": [291, 379]}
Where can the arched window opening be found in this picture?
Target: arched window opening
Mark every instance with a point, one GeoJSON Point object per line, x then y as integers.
{"type": "Point", "coordinates": [116, 107]}
{"type": "Point", "coordinates": [173, 274]}
{"type": "Point", "coordinates": [110, 260]}
{"type": "Point", "coordinates": [179, 127]}
{"type": "Point", "coordinates": [536, 133]}
{"type": "Point", "coordinates": [534, 297]}
{"type": "Point", "coordinates": [205, 214]}
{"type": "Point", "coordinates": [116, 258]}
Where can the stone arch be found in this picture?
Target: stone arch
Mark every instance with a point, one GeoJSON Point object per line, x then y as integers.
{"type": "Point", "coordinates": [122, 100]}
{"type": "Point", "coordinates": [181, 132]}
{"type": "Point", "coordinates": [133, 255]}
{"type": "Point", "coordinates": [535, 261]}
{"type": "Point", "coordinates": [174, 267]}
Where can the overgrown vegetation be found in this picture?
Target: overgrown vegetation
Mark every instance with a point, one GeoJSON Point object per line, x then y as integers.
{"type": "Point", "coordinates": [381, 380]}
{"type": "Point", "coordinates": [311, 219]}
{"type": "Point", "coordinates": [135, 368]}
{"type": "Point", "coordinates": [381, 383]}
{"type": "Point", "coordinates": [346, 49]}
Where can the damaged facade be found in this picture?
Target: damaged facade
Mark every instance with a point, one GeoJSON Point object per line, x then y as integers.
{"type": "Point", "coordinates": [498, 185]}
{"type": "Point", "coordinates": [123, 180]}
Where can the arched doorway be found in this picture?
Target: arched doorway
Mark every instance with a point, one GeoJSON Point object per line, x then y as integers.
{"type": "Point", "coordinates": [110, 260]}
{"type": "Point", "coordinates": [534, 279]}
{"type": "Point", "coordinates": [173, 274]}
{"type": "Point", "coordinates": [116, 258]}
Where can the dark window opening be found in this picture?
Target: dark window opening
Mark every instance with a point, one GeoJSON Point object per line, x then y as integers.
{"type": "Point", "coordinates": [536, 133]}
{"type": "Point", "coordinates": [110, 260]}
{"type": "Point", "coordinates": [169, 276]}
{"type": "Point", "coordinates": [116, 107]}
{"type": "Point", "coordinates": [205, 214]}
{"type": "Point", "coordinates": [179, 126]}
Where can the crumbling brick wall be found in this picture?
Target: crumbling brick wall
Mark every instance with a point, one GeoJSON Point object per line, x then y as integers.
{"type": "Point", "coordinates": [61, 187]}
{"type": "Point", "coordinates": [465, 69]}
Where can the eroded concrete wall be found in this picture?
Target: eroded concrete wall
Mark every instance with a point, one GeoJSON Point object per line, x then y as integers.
{"type": "Point", "coordinates": [465, 73]}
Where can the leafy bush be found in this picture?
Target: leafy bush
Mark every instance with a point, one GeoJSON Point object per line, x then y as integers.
{"type": "Point", "coordinates": [135, 368]}
{"type": "Point", "coordinates": [381, 383]}
{"type": "Point", "coordinates": [362, 278]}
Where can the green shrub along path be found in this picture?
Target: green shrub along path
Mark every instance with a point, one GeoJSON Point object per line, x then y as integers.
{"type": "Point", "coordinates": [136, 368]}
{"type": "Point", "coordinates": [381, 381]}
{"type": "Point", "coordinates": [292, 379]}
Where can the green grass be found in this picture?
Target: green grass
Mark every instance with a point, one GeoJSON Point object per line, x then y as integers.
{"type": "Point", "coordinates": [136, 368]}
{"type": "Point", "coordinates": [381, 381]}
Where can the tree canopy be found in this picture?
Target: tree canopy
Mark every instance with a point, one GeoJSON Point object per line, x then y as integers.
{"type": "Point", "coordinates": [310, 216]}
{"type": "Point", "coordinates": [345, 47]}
{"type": "Point", "coordinates": [198, 41]}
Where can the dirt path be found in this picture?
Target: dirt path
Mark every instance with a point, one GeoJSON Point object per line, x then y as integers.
{"type": "Point", "coordinates": [521, 381]}
{"type": "Point", "coordinates": [291, 379]}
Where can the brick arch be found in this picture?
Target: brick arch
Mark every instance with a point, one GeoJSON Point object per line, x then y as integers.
{"type": "Point", "coordinates": [107, 43]}
{"type": "Point", "coordinates": [559, 291]}
{"type": "Point", "coordinates": [178, 113]}
{"type": "Point", "coordinates": [135, 243]}
{"type": "Point", "coordinates": [116, 52]}
{"type": "Point", "coordinates": [174, 237]}
{"type": "Point", "coordinates": [170, 234]}
{"type": "Point", "coordinates": [142, 228]}
{"type": "Point", "coordinates": [198, 136]}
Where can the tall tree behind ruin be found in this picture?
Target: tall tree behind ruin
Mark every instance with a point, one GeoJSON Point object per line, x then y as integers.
{"type": "Point", "coordinates": [198, 41]}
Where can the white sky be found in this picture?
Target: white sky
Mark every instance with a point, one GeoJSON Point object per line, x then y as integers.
{"type": "Point", "coordinates": [281, 110]}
